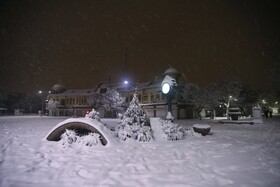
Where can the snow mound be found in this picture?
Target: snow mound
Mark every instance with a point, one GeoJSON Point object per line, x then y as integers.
{"type": "Point", "coordinates": [156, 129]}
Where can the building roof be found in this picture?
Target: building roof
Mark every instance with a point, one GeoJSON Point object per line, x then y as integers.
{"type": "Point", "coordinates": [74, 92]}
{"type": "Point", "coordinates": [172, 72]}
{"type": "Point", "coordinates": [58, 87]}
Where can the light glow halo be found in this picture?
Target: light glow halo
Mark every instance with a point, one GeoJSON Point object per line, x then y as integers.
{"type": "Point", "coordinates": [165, 88]}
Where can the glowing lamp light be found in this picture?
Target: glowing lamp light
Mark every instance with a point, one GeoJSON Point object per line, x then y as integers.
{"type": "Point", "coordinates": [125, 82]}
{"type": "Point", "coordinates": [167, 84]}
{"type": "Point", "coordinates": [165, 88]}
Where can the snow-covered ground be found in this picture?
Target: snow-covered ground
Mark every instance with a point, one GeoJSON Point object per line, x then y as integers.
{"type": "Point", "coordinates": [232, 155]}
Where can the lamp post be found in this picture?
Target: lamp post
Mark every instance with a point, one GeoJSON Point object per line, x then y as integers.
{"type": "Point", "coordinates": [40, 92]}
{"type": "Point", "coordinates": [43, 100]}
{"type": "Point", "coordinates": [228, 103]}
{"type": "Point", "coordinates": [168, 89]}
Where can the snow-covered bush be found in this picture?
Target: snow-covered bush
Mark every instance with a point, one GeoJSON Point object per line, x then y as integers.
{"type": "Point", "coordinates": [134, 123]}
{"type": "Point", "coordinates": [172, 131]}
{"type": "Point", "coordinates": [144, 134]}
{"type": "Point", "coordinates": [70, 137]}
{"type": "Point", "coordinates": [93, 114]}
{"type": "Point", "coordinates": [91, 139]}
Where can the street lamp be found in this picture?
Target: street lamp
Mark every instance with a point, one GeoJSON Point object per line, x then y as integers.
{"type": "Point", "coordinates": [167, 88]}
{"type": "Point", "coordinates": [228, 104]}
{"type": "Point", "coordinates": [40, 92]}
{"type": "Point", "coordinates": [129, 84]}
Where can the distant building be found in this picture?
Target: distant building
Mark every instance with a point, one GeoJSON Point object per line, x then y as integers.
{"type": "Point", "coordinates": [71, 102]}
{"type": "Point", "coordinates": [74, 102]}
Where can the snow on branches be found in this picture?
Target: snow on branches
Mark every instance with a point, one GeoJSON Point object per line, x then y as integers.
{"type": "Point", "coordinates": [70, 137]}
{"type": "Point", "coordinates": [109, 101]}
{"type": "Point", "coordinates": [52, 106]}
{"type": "Point", "coordinates": [134, 123]}
{"type": "Point", "coordinates": [113, 101]}
{"type": "Point", "coordinates": [93, 115]}
{"type": "Point", "coordinates": [172, 131]}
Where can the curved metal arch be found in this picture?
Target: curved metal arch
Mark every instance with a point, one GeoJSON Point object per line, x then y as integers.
{"type": "Point", "coordinates": [56, 134]}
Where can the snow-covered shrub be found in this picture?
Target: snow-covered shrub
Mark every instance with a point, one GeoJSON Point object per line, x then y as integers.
{"type": "Point", "coordinates": [172, 131]}
{"type": "Point", "coordinates": [91, 139]}
{"type": "Point", "coordinates": [93, 114]}
{"type": "Point", "coordinates": [145, 134]}
{"type": "Point", "coordinates": [70, 137]}
{"type": "Point", "coordinates": [134, 123]}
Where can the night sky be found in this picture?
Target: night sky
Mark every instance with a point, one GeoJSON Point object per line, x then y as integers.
{"type": "Point", "coordinates": [80, 43]}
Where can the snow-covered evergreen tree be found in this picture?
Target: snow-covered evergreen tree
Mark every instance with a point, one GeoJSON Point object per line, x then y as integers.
{"type": "Point", "coordinates": [52, 106]}
{"type": "Point", "coordinates": [134, 123]}
{"type": "Point", "coordinates": [113, 101]}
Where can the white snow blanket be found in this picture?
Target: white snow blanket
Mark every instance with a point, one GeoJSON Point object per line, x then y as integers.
{"type": "Point", "coordinates": [233, 155]}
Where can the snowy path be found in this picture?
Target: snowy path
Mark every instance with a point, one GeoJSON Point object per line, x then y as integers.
{"type": "Point", "coordinates": [234, 155]}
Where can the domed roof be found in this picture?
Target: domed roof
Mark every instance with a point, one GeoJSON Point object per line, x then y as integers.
{"type": "Point", "coordinates": [58, 87]}
{"type": "Point", "coordinates": [171, 71]}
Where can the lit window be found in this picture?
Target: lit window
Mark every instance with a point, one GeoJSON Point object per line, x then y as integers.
{"type": "Point", "coordinates": [158, 95]}
{"type": "Point", "coordinates": [152, 97]}
{"type": "Point", "coordinates": [139, 97]}
{"type": "Point", "coordinates": [145, 97]}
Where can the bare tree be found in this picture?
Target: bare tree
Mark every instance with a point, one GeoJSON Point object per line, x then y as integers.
{"type": "Point", "coordinates": [217, 93]}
